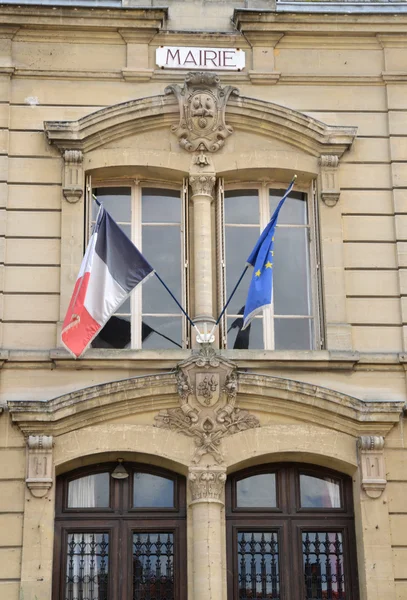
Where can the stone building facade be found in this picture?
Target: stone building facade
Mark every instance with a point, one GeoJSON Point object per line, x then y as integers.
{"type": "Point", "coordinates": [265, 465]}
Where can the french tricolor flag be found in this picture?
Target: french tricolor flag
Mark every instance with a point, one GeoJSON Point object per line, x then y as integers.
{"type": "Point", "coordinates": [110, 270]}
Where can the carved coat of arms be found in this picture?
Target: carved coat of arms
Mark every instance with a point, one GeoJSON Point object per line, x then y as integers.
{"type": "Point", "coordinates": [202, 103]}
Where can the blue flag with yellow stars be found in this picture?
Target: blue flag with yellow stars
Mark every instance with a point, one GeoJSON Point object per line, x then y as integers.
{"type": "Point", "coordinates": [261, 259]}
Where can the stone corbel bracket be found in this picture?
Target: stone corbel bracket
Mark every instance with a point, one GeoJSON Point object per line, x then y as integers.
{"type": "Point", "coordinates": [373, 471]}
{"type": "Point", "coordinates": [73, 175]}
{"type": "Point", "coordinates": [39, 464]}
{"type": "Point", "coordinates": [329, 179]}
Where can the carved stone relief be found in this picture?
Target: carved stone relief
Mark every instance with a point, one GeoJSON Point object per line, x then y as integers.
{"type": "Point", "coordinates": [202, 103]}
{"type": "Point", "coordinates": [329, 179]}
{"type": "Point", "coordinates": [73, 175]}
{"type": "Point", "coordinates": [207, 484]}
{"type": "Point", "coordinates": [39, 464]}
{"type": "Point", "coordinates": [372, 465]}
{"type": "Point", "coordinates": [207, 387]}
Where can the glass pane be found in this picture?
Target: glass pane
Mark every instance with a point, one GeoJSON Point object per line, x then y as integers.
{"type": "Point", "coordinates": [258, 565]}
{"type": "Point", "coordinates": [259, 491]}
{"type": "Point", "coordinates": [242, 206]}
{"type": "Point", "coordinates": [153, 566]}
{"type": "Point", "coordinates": [294, 210]}
{"type": "Point", "coordinates": [87, 566]}
{"type": "Point", "coordinates": [161, 332]}
{"type": "Point", "coordinates": [152, 491]}
{"type": "Point", "coordinates": [239, 243]}
{"type": "Point", "coordinates": [323, 565]}
{"type": "Point", "coordinates": [291, 277]}
{"type": "Point", "coordinates": [116, 200]}
{"type": "Point", "coordinates": [249, 338]}
{"type": "Point", "coordinates": [319, 492]}
{"type": "Point", "coordinates": [89, 492]}
{"type": "Point", "coordinates": [124, 309]}
{"type": "Point", "coordinates": [293, 334]}
{"type": "Point", "coordinates": [161, 206]}
{"type": "Point", "coordinates": [162, 249]}
{"type": "Point", "coordinates": [115, 334]}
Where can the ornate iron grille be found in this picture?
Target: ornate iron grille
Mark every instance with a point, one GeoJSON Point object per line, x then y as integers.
{"type": "Point", "coordinates": [153, 566]}
{"type": "Point", "coordinates": [258, 568]}
{"type": "Point", "coordinates": [323, 565]}
{"type": "Point", "coordinates": [87, 566]}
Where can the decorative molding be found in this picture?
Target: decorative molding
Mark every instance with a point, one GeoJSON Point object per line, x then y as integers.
{"type": "Point", "coordinates": [202, 185]}
{"type": "Point", "coordinates": [207, 385]}
{"type": "Point", "coordinates": [202, 103]}
{"type": "Point", "coordinates": [207, 484]}
{"type": "Point", "coordinates": [39, 464]}
{"type": "Point", "coordinates": [372, 465]}
{"type": "Point", "coordinates": [330, 191]}
{"type": "Point", "coordinates": [264, 77]}
{"type": "Point", "coordinates": [73, 175]}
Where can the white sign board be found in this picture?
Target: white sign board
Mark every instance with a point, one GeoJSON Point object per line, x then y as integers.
{"type": "Point", "coordinates": [181, 57]}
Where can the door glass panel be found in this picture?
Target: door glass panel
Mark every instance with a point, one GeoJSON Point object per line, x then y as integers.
{"type": "Point", "coordinates": [117, 202]}
{"type": "Point", "coordinates": [293, 334]}
{"type": "Point", "coordinates": [239, 242]}
{"type": "Point", "coordinates": [161, 206]}
{"type": "Point", "coordinates": [258, 565]}
{"type": "Point", "coordinates": [87, 566]}
{"type": "Point", "coordinates": [152, 491]}
{"type": "Point", "coordinates": [242, 206]}
{"type": "Point", "coordinates": [257, 491]}
{"type": "Point", "coordinates": [249, 338]}
{"type": "Point", "coordinates": [153, 566]}
{"type": "Point", "coordinates": [294, 209]}
{"type": "Point", "coordinates": [161, 332]}
{"type": "Point", "coordinates": [89, 492]}
{"type": "Point", "coordinates": [323, 565]}
{"type": "Point", "coordinates": [317, 492]}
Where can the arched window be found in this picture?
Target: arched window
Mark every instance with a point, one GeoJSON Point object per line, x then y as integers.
{"type": "Point", "coordinates": [290, 532]}
{"type": "Point", "coordinates": [120, 533]}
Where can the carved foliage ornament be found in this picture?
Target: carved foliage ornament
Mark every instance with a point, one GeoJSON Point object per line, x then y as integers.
{"type": "Point", "coordinates": [202, 103]}
{"type": "Point", "coordinates": [207, 387]}
{"type": "Point", "coordinates": [207, 483]}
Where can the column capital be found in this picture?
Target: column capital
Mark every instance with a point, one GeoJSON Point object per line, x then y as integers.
{"type": "Point", "coordinates": [207, 484]}
{"type": "Point", "coordinates": [202, 185]}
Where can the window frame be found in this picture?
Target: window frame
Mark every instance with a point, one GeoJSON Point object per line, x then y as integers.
{"type": "Point", "coordinates": [291, 520]}
{"type": "Point", "coordinates": [136, 186]}
{"type": "Point", "coordinates": [119, 520]}
{"type": "Point", "coordinates": [315, 282]}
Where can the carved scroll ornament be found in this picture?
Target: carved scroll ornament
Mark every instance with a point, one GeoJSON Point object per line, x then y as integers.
{"type": "Point", "coordinates": [202, 104]}
{"type": "Point", "coordinates": [329, 179]}
{"type": "Point", "coordinates": [207, 483]}
{"type": "Point", "coordinates": [73, 175]}
{"type": "Point", "coordinates": [372, 465]}
{"type": "Point", "coordinates": [207, 386]}
{"type": "Point", "coordinates": [39, 464]}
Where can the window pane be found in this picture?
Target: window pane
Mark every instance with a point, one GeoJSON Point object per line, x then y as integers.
{"type": "Point", "coordinates": [238, 245]}
{"type": "Point", "coordinates": [242, 206]}
{"type": "Point", "coordinates": [89, 492]}
{"type": "Point", "coordinates": [293, 334]}
{"type": "Point", "coordinates": [87, 566]}
{"type": "Point", "coordinates": [291, 277]}
{"type": "Point", "coordinates": [161, 332]}
{"type": "Point", "coordinates": [153, 566]}
{"type": "Point", "coordinates": [323, 565]}
{"type": "Point", "coordinates": [318, 492]}
{"type": "Point", "coordinates": [152, 491]}
{"type": "Point", "coordinates": [294, 209]}
{"type": "Point", "coordinates": [115, 334]}
{"type": "Point", "coordinates": [258, 565]}
{"type": "Point", "coordinates": [161, 206]}
{"type": "Point", "coordinates": [251, 337]}
{"type": "Point", "coordinates": [259, 491]}
{"type": "Point", "coordinates": [162, 249]}
{"type": "Point", "coordinates": [116, 200]}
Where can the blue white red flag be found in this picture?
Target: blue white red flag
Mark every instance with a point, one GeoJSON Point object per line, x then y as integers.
{"type": "Point", "coordinates": [262, 259]}
{"type": "Point", "coordinates": [111, 268]}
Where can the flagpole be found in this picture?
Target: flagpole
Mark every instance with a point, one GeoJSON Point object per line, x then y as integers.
{"type": "Point", "coordinates": [175, 300]}
{"type": "Point", "coordinates": [242, 275]}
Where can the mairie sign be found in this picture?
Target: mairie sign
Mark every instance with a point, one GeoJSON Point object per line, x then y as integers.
{"type": "Point", "coordinates": [182, 57]}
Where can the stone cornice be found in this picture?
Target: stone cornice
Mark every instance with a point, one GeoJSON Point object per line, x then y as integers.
{"type": "Point", "coordinates": [266, 118]}
{"type": "Point", "coordinates": [81, 18]}
{"type": "Point", "coordinates": [257, 393]}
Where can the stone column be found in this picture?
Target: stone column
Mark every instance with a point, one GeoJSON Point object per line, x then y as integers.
{"type": "Point", "coordinates": [208, 552]}
{"type": "Point", "coordinates": [202, 181]}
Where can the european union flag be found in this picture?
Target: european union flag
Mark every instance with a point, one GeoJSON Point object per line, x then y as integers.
{"type": "Point", "coordinates": [262, 259]}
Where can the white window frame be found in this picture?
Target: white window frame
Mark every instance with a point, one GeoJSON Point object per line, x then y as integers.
{"type": "Point", "coordinates": [263, 189]}
{"type": "Point", "coordinates": [136, 186]}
